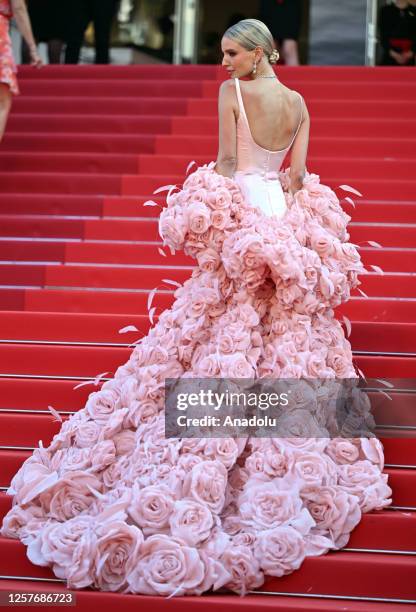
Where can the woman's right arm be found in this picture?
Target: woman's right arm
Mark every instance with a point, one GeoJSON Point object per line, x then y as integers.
{"type": "Point", "coordinates": [21, 17]}
{"type": "Point", "coordinates": [299, 153]}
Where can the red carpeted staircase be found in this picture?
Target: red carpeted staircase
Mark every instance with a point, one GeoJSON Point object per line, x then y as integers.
{"type": "Point", "coordinates": [85, 148]}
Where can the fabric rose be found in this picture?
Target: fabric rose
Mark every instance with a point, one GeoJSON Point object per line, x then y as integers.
{"type": "Point", "coordinates": [151, 508]}
{"type": "Point", "coordinates": [206, 483]}
{"type": "Point", "coordinates": [266, 505]}
{"type": "Point", "coordinates": [199, 218]}
{"type": "Point", "coordinates": [69, 547]}
{"type": "Point", "coordinates": [125, 442]}
{"type": "Point", "coordinates": [208, 260]}
{"type": "Point", "coordinates": [219, 200]}
{"type": "Point", "coordinates": [70, 459]}
{"type": "Point", "coordinates": [101, 405]}
{"type": "Point", "coordinates": [191, 521]}
{"type": "Point", "coordinates": [333, 510]}
{"type": "Point", "coordinates": [244, 569]}
{"type": "Point", "coordinates": [342, 451]}
{"type": "Point", "coordinates": [372, 449]}
{"type": "Point", "coordinates": [364, 480]}
{"type": "Point", "coordinates": [222, 449]}
{"type": "Point", "coordinates": [17, 519]}
{"type": "Point", "coordinates": [315, 469]}
{"type": "Point", "coordinates": [166, 566]}
{"type": "Point", "coordinates": [71, 495]}
{"type": "Point", "coordinates": [220, 219]}
{"type": "Point", "coordinates": [87, 435]}
{"type": "Point", "coordinates": [103, 454]}
{"type": "Point", "coordinates": [322, 243]}
{"type": "Point", "coordinates": [117, 552]}
{"type": "Point", "coordinates": [279, 551]}
{"type": "Point", "coordinates": [172, 228]}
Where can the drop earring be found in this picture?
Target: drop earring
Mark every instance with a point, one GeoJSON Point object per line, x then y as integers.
{"type": "Point", "coordinates": [254, 68]}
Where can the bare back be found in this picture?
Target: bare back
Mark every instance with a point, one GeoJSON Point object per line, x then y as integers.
{"type": "Point", "coordinates": [273, 112]}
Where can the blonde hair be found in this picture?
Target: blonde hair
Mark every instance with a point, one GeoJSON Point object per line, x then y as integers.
{"type": "Point", "coordinates": [252, 33]}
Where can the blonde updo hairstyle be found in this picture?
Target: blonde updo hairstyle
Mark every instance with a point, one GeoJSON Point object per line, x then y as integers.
{"type": "Point", "coordinates": [252, 33]}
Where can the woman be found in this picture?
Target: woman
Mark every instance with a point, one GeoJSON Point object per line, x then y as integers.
{"type": "Point", "coordinates": [8, 81]}
{"type": "Point", "coordinates": [114, 504]}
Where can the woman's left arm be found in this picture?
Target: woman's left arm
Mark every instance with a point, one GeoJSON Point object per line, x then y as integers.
{"type": "Point", "coordinates": [22, 19]}
{"type": "Point", "coordinates": [227, 137]}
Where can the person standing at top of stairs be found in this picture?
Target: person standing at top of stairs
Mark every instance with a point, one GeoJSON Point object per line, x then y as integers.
{"type": "Point", "coordinates": [80, 14]}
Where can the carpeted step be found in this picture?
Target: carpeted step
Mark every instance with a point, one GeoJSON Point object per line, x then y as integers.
{"type": "Point", "coordinates": [122, 302]}
{"type": "Point", "coordinates": [118, 277]}
{"type": "Point", "coordinates": [138, 72]}
{"type": "Point", "coordinates": [37, 394]}
{"type": "Point", "coordinates": [81, 142]}
{"type": "Point", "coordinates": [85, 599]}
{"type": "Point", "coordinates": [61, 360]}
{"type": "Point", "coordinates": [52, 182]}
{"type": "Point", "coordinates": [359, 574]}
{"type": "Point", "coordinates": [69, 162]}
{"type": "Point", "coordinates": [389, 285]}
{"type": "Point", "coordinates": [387, 367]}
{"type": "Point", "coordinates": [90, 252]}
{"type": "Point", "coordinates": [126, 87]}
{"type": "Point", "coordinates": [375, 309]}
{"type": "Point", "coordinates": [114, 123]}
{"type": "Point", "coordinates": [101, 105]}
{"type": "Point", "coordinates": [56, 275]}
{"type": "Point", "coordinates": [119, 253]}
{"type": "Point", "coordinates": [383, 337]}
{"type": "Point", "coordinates": [70, 327]}
{"type": "Point", "coordinates": [76, 205]}
{"type": "Point", "coordinates": [30, 250]}
{"type": "Point", "coordinates": [381, 212]}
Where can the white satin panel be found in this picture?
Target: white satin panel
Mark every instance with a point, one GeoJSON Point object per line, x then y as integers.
{"type": "Point", "coordinates": [262, 192]}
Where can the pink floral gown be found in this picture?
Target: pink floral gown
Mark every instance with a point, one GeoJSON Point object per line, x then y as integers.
{"type": "Point", "coordinates": [113, 505]}
{"type": "Point", "coordinates": [7, 65]}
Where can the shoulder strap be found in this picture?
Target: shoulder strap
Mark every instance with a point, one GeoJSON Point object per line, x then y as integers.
{"type": "Point", "coordinates": [240, 98]}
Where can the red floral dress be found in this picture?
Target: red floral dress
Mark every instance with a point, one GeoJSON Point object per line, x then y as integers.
{"type": "Point", "coordinates": [7, 64]}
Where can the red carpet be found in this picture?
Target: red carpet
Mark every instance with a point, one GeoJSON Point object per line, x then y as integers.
{"type": "Point", "coordinates": [85, 148]}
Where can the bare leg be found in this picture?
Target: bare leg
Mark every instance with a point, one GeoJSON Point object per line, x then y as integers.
{"type": "Point", "coordinates": [5, 105]}
{"type": "Point", "coordinates": [290, 52]}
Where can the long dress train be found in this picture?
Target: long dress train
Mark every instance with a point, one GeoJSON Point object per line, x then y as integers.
{"type": "Point", "coordinates": [114, 505]}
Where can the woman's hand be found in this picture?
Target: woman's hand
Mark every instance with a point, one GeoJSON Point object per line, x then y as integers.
{"type": "Point", "coordinates": [35, 59]}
